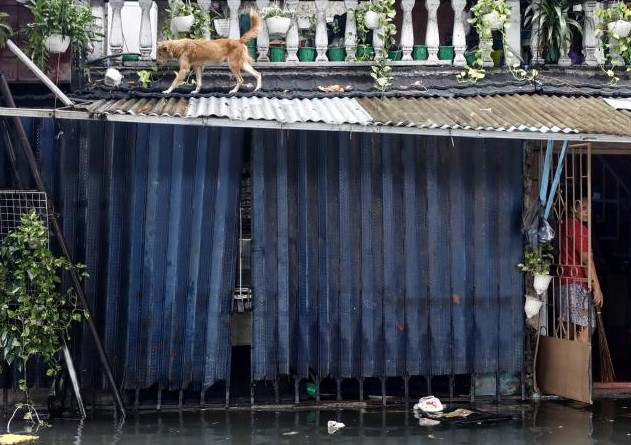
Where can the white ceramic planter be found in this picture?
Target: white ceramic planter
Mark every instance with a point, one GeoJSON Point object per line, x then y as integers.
{"type": "Point", "coordinates": [113, 77]}
{"type": "Point", "coordinates": [493, 19]}
{"type": "Point", "coordinates": [371, 19]}
{"type": "Point", "coordinates": [532, 306]}
{"type": "Point", "coordinates": [541, 283]}
{"type": "Point", "coordinates": [182, 23]}
{"type": "Point", "coordinates": [222, 27]}
{"type": "Point", "coordinates": [620, 27]}
{"type": "Point", "coordinates": [56, 43]}
{"type": "Point", "coordinates": [304, 22]}
{"type": "Point", "coordinates": [278, 25]}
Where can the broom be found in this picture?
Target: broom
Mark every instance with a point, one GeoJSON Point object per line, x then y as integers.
{"type": "Point", "coordinates": [607, 374]}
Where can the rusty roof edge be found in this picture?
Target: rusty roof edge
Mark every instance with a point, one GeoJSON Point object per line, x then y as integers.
{"type": "Point", "coordinates": [353, 128]}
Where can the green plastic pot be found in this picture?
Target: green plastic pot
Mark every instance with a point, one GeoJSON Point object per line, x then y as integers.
{"type": "Point", "coordinates": [470, 58]}
{"type": "Point", "coordinates": [497, 56]}
{"type": "Point", "coordinates": [419, 52]}
{"type": "Point", "coordinates": [277, 54]}
{"type": "Point", "coordinates": [395, 54]}
{"type": "Point", "coordinates": [446, 53]}
{"type": "Point", "coordinates": [336, 54]}
{"type": "Point", "coordinates": [306, 54]}
{"type": "Point", "coordinates": [365, 52]}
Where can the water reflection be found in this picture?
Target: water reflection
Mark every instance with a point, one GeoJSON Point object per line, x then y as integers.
{"type": "Point", "coordinates": [558, 423]}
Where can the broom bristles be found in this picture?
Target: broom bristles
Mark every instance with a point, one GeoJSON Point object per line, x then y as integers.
{"type": "Point", "coordinates": [607, 373]}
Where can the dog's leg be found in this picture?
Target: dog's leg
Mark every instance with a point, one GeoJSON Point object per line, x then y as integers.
{"type": "Point", "coordinates": [236, 72]}
{"type": "Point", "coordinates": [249, 69]}
{"type": "Point", "coordinates": [178, 79]}
{"type": "Point", "coordinates": [198, 79]}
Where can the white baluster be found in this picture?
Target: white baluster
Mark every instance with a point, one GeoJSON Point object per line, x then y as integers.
{"type": "Point", "coordinates": [262, 40]}
{"type": "Point", "coordinates": [233, 6]}
{"type": "Point", "coordinates": [512, 54]}
{"type": "Point", "coordinates": [291, 40]}
{"type": "Point", "coordinates": [98, 48]}
{"type": "Point", "coordinates": [407, 29]}
{"type": "Point", "coordinates": [591, 46]}
{"type": "Point", "coordinates": [145, 40]}
{"type": "Point", "coordinates": [205, 5]}
{"type": "Point", "coordinates": [564, 57]}
{"type": "Point", "coordinates": [486, 45]}
{"type": "Point", "coordinates": [536, 58]}
{"type": "Point", "coordinates": [458, 36]}
{"type": "Point", "coordinates": [116, 31]}
{"type": "Point", "coordinates": [322, 39]}
{"type": "Point", "coordinates": [432, 39]}
{"type": "Point", "coordinates": [350, 39]}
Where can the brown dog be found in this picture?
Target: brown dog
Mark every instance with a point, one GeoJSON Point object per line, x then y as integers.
{"type": "Point", "coordinates": [193, 53]}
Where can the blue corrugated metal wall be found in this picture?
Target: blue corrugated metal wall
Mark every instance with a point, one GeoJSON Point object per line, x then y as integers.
{"type": "Point", "coordinates": [385, 255]}
{"type": "Point", "coordinates": [373, 255]}
{"type": "Point", "coordinates": [152, 211]}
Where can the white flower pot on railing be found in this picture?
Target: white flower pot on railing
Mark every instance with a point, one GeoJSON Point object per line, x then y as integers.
{"type": "Point", "coordinates": [56, 43]}
{"type": "Point", "coordinates": [541, 283]}
{"type": "Point", "coordinates": [532, 306]}
{"type": "Point", "coordinates": [371, 19]}
{"type": "Point", "coordinates": [222, 27]}
{"type": "Point", "coordinates": [621, 28]}
{"type": "Point", "coordinates": [182, 23]}
{"type": "Point", "coordinates": [278, 25]}
{"type": "Point", "coordinates": [493, 19]}
{"type": "Point", "coordinates": [304, 22]}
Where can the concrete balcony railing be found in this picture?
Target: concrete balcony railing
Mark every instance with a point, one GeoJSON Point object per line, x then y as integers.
{"type": "Point", "coordinates": [423, 22]}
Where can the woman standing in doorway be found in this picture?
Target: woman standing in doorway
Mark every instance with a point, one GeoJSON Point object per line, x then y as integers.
{"type": "Point", "coordinates": [576, 306]}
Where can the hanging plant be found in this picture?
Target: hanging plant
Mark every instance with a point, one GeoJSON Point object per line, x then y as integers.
{"type": "Point", "coordinates": [34, 313]}
{"type": "Point", "coordinates": [613, 34]}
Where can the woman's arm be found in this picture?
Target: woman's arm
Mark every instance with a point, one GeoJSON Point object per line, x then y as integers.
{"type": "Point", "coordinates": [590, 271]}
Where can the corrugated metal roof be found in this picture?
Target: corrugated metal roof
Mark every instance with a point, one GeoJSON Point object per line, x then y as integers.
{"type": "Point", "coordinates": [529, 113]}
{"type": "Point", "coordinates": [334, 110]}
{"type": "Point", "coordinates": [507, 113]}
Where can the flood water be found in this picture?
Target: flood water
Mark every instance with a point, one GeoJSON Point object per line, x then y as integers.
{"type": "Point", "coordinates": [549, 422]}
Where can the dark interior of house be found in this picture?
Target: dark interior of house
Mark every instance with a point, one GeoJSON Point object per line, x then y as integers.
{"type": "Point", "coordinates": [611, 238]}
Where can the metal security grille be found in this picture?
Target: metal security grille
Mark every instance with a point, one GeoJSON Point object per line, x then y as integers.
{"type": "Point", "coordinates": [15, 203]}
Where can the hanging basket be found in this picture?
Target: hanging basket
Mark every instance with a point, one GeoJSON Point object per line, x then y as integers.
{"type": "Point", "coordinates": [304, 22]}
{"type": "Point", "coordinates": [371, 19]}
{"type": "Point", "coordinates": [532, 306]}
{"type": "Point", "coordinates": [541, 283]}
{"type": "Point", "coordinates": [56, 43]}
{"type": "Point", "coordinates": [222, 27]}
{"type": "Point", "coordinates": [493, 19]}
{"type": "Point", "coordinates": [621, 28]}
{"type": "Point", "coordinates": [278, 25]}
{"type": "Point", "coordinates": [182, 23]}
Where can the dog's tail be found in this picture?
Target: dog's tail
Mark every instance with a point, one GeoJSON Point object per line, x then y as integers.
{"type": "Point", "coordinates": [255, 26]}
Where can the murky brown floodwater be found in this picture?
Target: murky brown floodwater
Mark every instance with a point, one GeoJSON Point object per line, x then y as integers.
{"type": "Point", "coordinates": [551, 422]}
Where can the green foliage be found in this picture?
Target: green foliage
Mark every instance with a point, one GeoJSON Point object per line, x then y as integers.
{"type": "Point", "coordinates": [66, 17]}
{"type": "Point", "coordinates": [34, 312]}
{"type": "Point", "coordinates": [480, 21]}
{"type": "Point", "coordinates": [145, 77]}
{"type": "Point", "coordinates": [381, 74]}
{"type": "Point", "coordinates": [275, 10]}
{"type": "Point", "coordinates": [615, 44]}
{"type": "Point", "coordinates": [555, 28]}
{"type": "Point", "coordinates": [201, 26]}
{"type": "Point", "coordinates": [5, 29]}
{"type": "Point", "coordinates": [537, 261]}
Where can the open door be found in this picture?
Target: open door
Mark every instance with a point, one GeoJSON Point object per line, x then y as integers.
{"type": "Point", "coordinates": [563, 362]}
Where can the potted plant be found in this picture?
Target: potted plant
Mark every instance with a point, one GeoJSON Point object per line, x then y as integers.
{"type": "Point", "coordinates": [35, 314]}
{"type": "Point", "coordinates": [306, 50]}
{"type": "Point", "coordinates": [613, 32]}
{"type": "Point", "coordinates": [221, 19]}
{"type": "Point", "coordinates": [551, 26]}
{"type": "Point", "coordinates": [5, 29]}
{"type": "Point", "coordinates": [488, 16]}
{"type": "Point", "coordinates": [537, 261]}
{"type": "Point", "coordinates": [336, 52]}
{"type": "Point", "coordinates": [58, 21]}
{"type": "Point", "coordinates": [187, 20]}
{"type": "Point", "coordinates": [277, 19]}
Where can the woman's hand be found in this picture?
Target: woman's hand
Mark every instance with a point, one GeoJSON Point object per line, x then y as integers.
{"type": "Point", "coordinates": [598, 297]}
